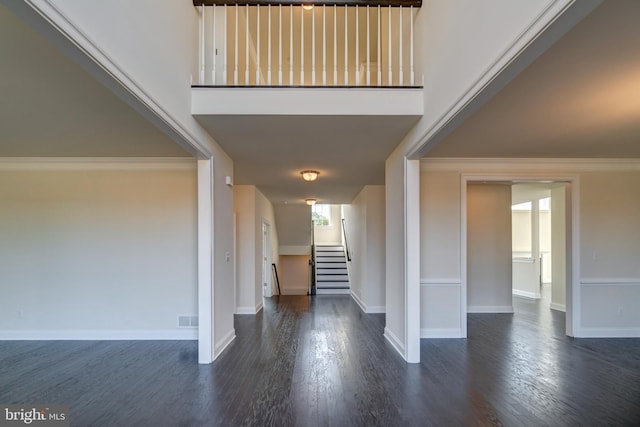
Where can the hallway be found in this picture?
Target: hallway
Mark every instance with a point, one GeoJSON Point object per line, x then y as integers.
{"type": "Point", "coordinates": [320, 361]}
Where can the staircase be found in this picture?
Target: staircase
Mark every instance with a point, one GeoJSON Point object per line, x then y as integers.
{"type": "Point", "coordinates": [331, 270]}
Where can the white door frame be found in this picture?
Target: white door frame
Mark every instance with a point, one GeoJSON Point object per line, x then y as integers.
{"type": "Point", "coordinates": [205, 261]}
{"type": "Point", "coordinates": [573, 312]}
{"type": "Point", "coordinates": [267, 287]}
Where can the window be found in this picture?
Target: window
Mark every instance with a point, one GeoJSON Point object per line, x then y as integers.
{"type": "Point", "coordinates": [321, 215]}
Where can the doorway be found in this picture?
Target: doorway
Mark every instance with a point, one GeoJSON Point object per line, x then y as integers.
{"type": "Point", "coordinates": [471, 261]}
{"type": "Point", "coordinates": [538, 212]}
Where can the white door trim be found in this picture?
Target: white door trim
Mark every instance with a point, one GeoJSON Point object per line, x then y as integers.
{"type": "Point", "coordinates": [573, 305]}
{"type": "Point", "coordinates": [205, 261]}
{"type": "Point", "coordinates": [267, 291]}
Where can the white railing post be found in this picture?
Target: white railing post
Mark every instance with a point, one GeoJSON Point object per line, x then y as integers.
{"type": "Point", "coordinates": [412, 79]}
{"type": "Point", "coordinates": [379, 76]}
{"type": "Point", "coordinates": [280, 45]}
{"type": "Point", "coordinates": [202, 47]}
{"type": "Point", "coordinates": [390, 56]}
{"type": "Point", "coordinates": [335, 45]}
{"type": "Point", "coordinates": [313, 47]}
{"type": "Point", "coordinates": [368, 50]}
{"type": "Point", "coordinates": [346, 47]}
{"type": "Point", "coordinates": [257, 43]}
{"type": "Point", "coordinates": [290, 45]}
{"type": "Point", "coordinates": [269, 45]}
{"type": "Point", "coordinates": [246, 46]}
{"type": "Point", "coordinates": [401, 75]}
{"type": "Point", "coordinates": [357, 49]}
{"type": "Point", "coordinates": [224, 70]}
{"type": "Point", "coordinates": [235, 69]}
{"type": "Point", "coordinates": [213, 48]}
{"type": "Point", "coordinates": [301, 46]}
{"type": "Point", "coordinates": [324, 46]}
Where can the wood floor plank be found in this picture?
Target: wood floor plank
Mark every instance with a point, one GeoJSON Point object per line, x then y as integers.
{"type": "Point", "coordinates": [320, 361]}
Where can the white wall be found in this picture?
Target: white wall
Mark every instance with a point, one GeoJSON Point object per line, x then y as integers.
{"type": "Point", "coordinates": [251, 207]}
{"type": "Point", "coordinates": [265, 213]}
{"type": "Point", "coordinates": [364, 222]}
{"type": "Point", "coordinates": [294, 275]}
{"type": "Point", "coordinates": [440, 269]}
{"type": "Point", "coordinates": [244, 204]}
{"type": "Point", "coordinates": [610, 250]}
{"type": "Point", "coordinates": [395, 255]}
{"type": "Point", "coordinates": [606, 287]}
{"type": "Point", "coordinates": [294, 229]}
{"type": "Point", "coordinates": [489, 248]}
{"type": "Point", "coordinates": [106, 253]}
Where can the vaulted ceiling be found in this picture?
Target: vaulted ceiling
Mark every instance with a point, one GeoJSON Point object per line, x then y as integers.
{"type": "Point", "coordinates": [50, 107]}
{"type": "Point", "coordinates": [581, 98]}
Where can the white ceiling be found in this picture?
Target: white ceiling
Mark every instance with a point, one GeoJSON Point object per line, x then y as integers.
{"type": "Point", "coordinates": [580, 99]}
{"type": "Point", "coordinates": [50, 107]}
{"type": "Point", "coordinates": [270, 151]}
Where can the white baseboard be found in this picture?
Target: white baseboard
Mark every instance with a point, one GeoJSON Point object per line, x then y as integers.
{"type": "Point", "coordinates": [608, 333]}
{"type": "Point", "coordinates": [224, 343]}
{"type": "Point", "coordinates": [369, 310]}
{"type": "Point", "coordinates": [395, 342]}
{"type": "Point", "coordinates": [558, 307]}
{"type": "Point", "coordinates": [246, 310]}
{"type": "Point", "coordinates": [490, 309]}
{"type": "Point", "coordinates": [441, 333]}
{"type": "Point", "coordinates": [358, 301]}
{"type": "Point", "coordinates": [526, 294]}
{"type": "Point", "coordinates": [295, 291]}
{"type": "Point", "coordinates": [99, 335]}
{"type": "Point", "coordinates": [259, 307]}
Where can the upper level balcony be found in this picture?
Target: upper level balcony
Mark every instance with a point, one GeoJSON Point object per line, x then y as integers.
{"type": "Point", "coordinates": [322, 58]}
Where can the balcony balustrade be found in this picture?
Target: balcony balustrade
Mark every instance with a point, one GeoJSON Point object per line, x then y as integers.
{"type": "Point", "coordinates": [303, 46]}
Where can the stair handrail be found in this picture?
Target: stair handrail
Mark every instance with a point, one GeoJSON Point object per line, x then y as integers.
{"type": "Point", "coordinates": [275, 271]}
{"type": "Point", "coordinates": [346, 240]}
{"type": "Point", "coordinates": [312, 263]}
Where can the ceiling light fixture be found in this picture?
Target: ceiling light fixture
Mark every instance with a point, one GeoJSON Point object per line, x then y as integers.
{"type": "Point", "coordinates": [310, 202]}
{"type": "Point", "coordinates": [307, 6]}
{"type": "Point", "coordinates": [309, 175]}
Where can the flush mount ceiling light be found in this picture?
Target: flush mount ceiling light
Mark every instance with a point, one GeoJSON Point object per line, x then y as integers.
{"type": "Point", "coordinates": [307, 6]}
{"type": "Point", "coordinates": [309, 175]}
{"type": "Point", "coordinates": [310, 202]}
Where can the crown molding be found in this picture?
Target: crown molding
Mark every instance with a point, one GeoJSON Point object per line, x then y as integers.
{"type": "Point", "coordinates": [528, 165]}
{"type": "Point", "coordinates": [96, 163]}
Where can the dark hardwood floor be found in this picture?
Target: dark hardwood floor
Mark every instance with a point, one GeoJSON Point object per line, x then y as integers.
{"type": "Point", "coordinates": [320, 361]}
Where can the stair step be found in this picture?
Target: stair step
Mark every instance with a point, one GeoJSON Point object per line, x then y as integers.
{"type": "Point", "coordinates": [332, 285]}
{"type": "Point", "coordinates": [330, 259]}
{"type": "Point", "coordinates": [329, 248]}
{"type": "Point", "coordinates": [324, 271]}
{"type": "Point", "coordinates": [329, 253]}
{"type": "Point", "coordinates": [332, 266]}
{"type": "Point", "coordinates": [345, 291]}
{"type": "Point", "coordinates": [332, 278]}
